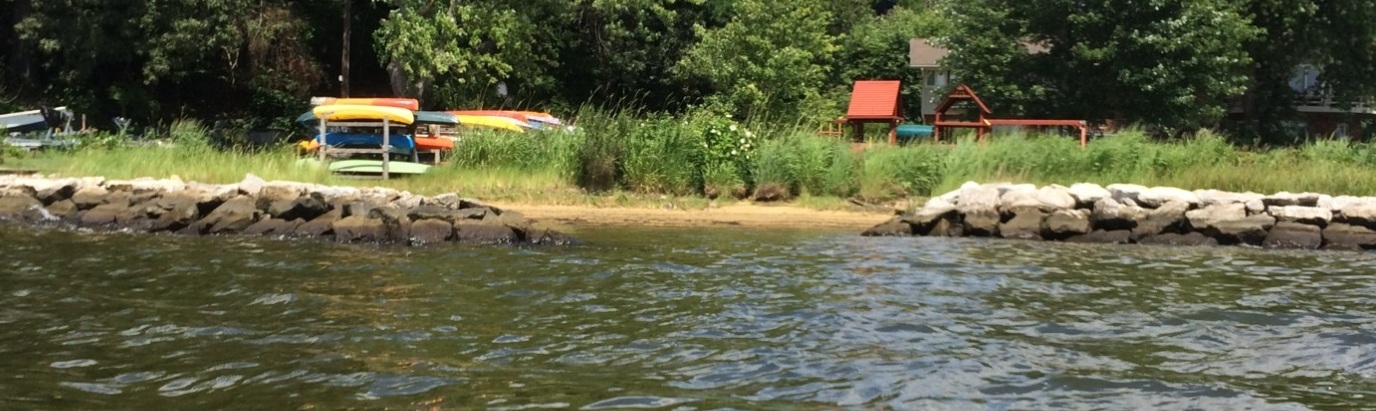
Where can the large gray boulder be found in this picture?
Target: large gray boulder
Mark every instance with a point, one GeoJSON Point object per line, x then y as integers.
{"type": "Point", "coordinates": [89, 197]}
{"type": "Point", "coordinates": [251, 185]}
{"type": "Point", "coordinates": [1167, 218]}
{"type": "Point", "coordinates": [429, 231]}
{"type": "Point", "coordinates": [52, 191]}
{"type": "Point", "coordinates": [1019, 196]}
{"type": "Point", "coordinates": [980, 208]}
{"type": "Point", "coordinates": [1216, 197]}
{"type": "Point", "coordinates": [1340, 203]}
{"type": "Point", "coordinates": [1211, 216]}
{"type": "Point", "coordinates": [1287, 234]}
{"type": "Point", "coordinates": [1109, 214]}
{"type": "Point", "coordinates": [398, 224]}
{"type": "Point", "coordinates": [1303, 215]}
{"type": "Point", "coordinates": [63, 209]}
{"type": "Point", "coordinates": [360, 229]}
{"type": "Point", "coordinates": [938, 218]}
{"type": "Point", "coordinates": [1122, 193]}
{"type": "Point", "coordinates": [1339, 236]}
{"type": "Point", "coordinates": [1063, 224]}
{"type": "Point", "coordinates": [320, 226]}
{"type": "Point", "coordinates": [233, 216]}
{"type": "Point", "coordinates": [280, 191]}
{"type": "Point", "coordinates": [1291, 199]}
{"type": "Point", "coordinates": [1055, 197]}
{"type": "Point", "coordinates": [1026, 224]}
{"type": "Point", "coordinates": [306, 207]}
{"type": "Point", "coordinates": [484, 234]}
{"type": "Point", "coordinates": [449, 200]}
{"type": "Point", "coordinates": [1361, 214]}
{"type": "Point", "coordinates": [1087, 194]}
{"type": "Point", "coordinates": [106, 214]}
{"type": "Point", "coordinates": [1156, 197]}
{"type": "Point", "coordinates": [22, 208]}
{"type": "Point", "coordinates": [1251, 230]}
{"type": "Point", "coordinates": [408, 201]}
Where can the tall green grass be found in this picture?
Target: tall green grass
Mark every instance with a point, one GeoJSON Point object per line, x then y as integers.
{"type": "Point", "coordinates": [682, 156]}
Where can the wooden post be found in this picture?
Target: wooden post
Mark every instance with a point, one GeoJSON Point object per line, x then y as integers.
{"type": "Point", "coordinates": [320, 149]}
{"type": "Point", "coordinates": [936, 128]}
{"type": "Point", "coordinates": [893, 132]}
{"type": "Point", "coordinates": [1084, 135]}
{"type": "Point", "coordinates": [386, 146]}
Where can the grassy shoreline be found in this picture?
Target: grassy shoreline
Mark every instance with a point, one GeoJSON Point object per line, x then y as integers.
{"type": "Point", "coordinates": [681, 162]}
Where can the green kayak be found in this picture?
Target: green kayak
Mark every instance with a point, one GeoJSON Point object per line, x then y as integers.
{"type": "Point", "coordinates": [375, 167]}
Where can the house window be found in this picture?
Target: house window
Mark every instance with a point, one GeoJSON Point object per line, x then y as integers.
{"type": "Point", "coordinates": [1340, 131]}
{"type": "Point", "coordinates": [938, 78]}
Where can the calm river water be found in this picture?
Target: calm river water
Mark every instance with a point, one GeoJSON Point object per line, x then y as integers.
{"type": "Point", "coordinates": [679, 320]}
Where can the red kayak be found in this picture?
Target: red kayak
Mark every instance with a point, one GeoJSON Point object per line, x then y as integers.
{"type": "Point", "coordinates": [433, 143]}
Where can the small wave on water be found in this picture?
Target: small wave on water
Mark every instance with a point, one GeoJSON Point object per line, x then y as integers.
{"type": "Point", "coordinates": [680, 320]}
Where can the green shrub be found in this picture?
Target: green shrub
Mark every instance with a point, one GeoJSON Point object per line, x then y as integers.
{"type": "Point", "coordinates": [663, 155]}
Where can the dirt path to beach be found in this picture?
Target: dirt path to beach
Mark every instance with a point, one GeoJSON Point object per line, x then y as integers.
{"type": "Point", "coordinates": [735, 215]}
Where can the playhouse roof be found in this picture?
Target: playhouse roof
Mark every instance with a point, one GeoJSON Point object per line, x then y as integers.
{"type": "Point", "coordinates": [962, 92]}
{"type": "Point", "coordinates": [874, 100]}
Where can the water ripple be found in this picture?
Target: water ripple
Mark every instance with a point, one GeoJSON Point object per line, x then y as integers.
{"type": "Point", "coordinates": [681, 319]}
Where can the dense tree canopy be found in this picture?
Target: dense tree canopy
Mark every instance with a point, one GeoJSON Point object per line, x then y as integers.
{"type": "Point", "coordinates": [1170, 64]}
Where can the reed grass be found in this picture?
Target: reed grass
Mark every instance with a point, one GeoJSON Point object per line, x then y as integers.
{"type": "Point", "coordinates": [624, 158]}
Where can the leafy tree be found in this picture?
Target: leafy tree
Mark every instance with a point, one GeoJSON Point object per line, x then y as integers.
{"type": "Point", "coordinates": [1176, 64]}
{"type": "Point", "coordinates": [132, 58]}
{"type": "Point", "coordinates": [772, 57]}
{"type": "Point", "coordinates": [877, 48]}
{"type": "Point", "coordinates": [626, 49]}
{"type": "Point", "coordinates": [1337, 36]}
{"type": "Point", "coordinates": [474, 44]}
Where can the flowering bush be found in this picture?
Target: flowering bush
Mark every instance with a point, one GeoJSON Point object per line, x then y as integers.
{"type": "Point", "coordinates": [729, 149]}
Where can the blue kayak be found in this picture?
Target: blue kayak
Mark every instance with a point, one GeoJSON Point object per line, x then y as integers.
{"type": "Point", "coordinates": [401, 143]}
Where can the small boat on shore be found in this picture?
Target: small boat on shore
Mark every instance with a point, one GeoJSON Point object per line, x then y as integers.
{"type": "Point", "coordinates": [406, 103]}
{"type": "Point", "coordinates": [425, 133]}
{"type": "Point", "coordinates": [362, 166]}
{"type": "Point", "coordinates": [493, 122]}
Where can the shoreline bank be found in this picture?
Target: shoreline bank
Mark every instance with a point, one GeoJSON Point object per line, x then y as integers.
{"type": "Point", "coordinates": [1134, 214]}
{"type": "Point", "coordinates": [368, 215]}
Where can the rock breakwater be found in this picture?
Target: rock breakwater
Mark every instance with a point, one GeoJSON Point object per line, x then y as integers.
{"type": "Point", "coordinates": [1127, 213]}
{"type": "Point", "coordinates": [257, 207]}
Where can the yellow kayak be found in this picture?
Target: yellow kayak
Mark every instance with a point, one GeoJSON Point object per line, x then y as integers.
{"type": "Point", "coordinates": [406, 103]}
{"type": "Point", "coordinates": [343, 112]}
{"type": "Point", "coordinates": [500, 123]}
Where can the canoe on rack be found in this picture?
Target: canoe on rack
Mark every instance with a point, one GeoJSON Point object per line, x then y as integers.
{"type": "Point", "coordinates": [428, 140]}
{"type": "Point", "coordinates": [341, 112]}
{"type": "Point", "coordinates": [406, 103]}
{"type": "Point", "coordinates": [500, 123]}
{"type": "Point", "coordinates": [375, 167]}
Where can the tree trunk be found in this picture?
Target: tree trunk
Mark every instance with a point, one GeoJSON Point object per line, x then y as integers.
{"type": "Point", "coordinates": [21, 63]}
{"type": "Point", "coordinates": [348, 34]}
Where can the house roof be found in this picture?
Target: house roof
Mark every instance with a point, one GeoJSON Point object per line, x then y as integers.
{"type": "Point", "coordinates": [923, 54]}
{"type": "Point", "coordinates": [874, 100]}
